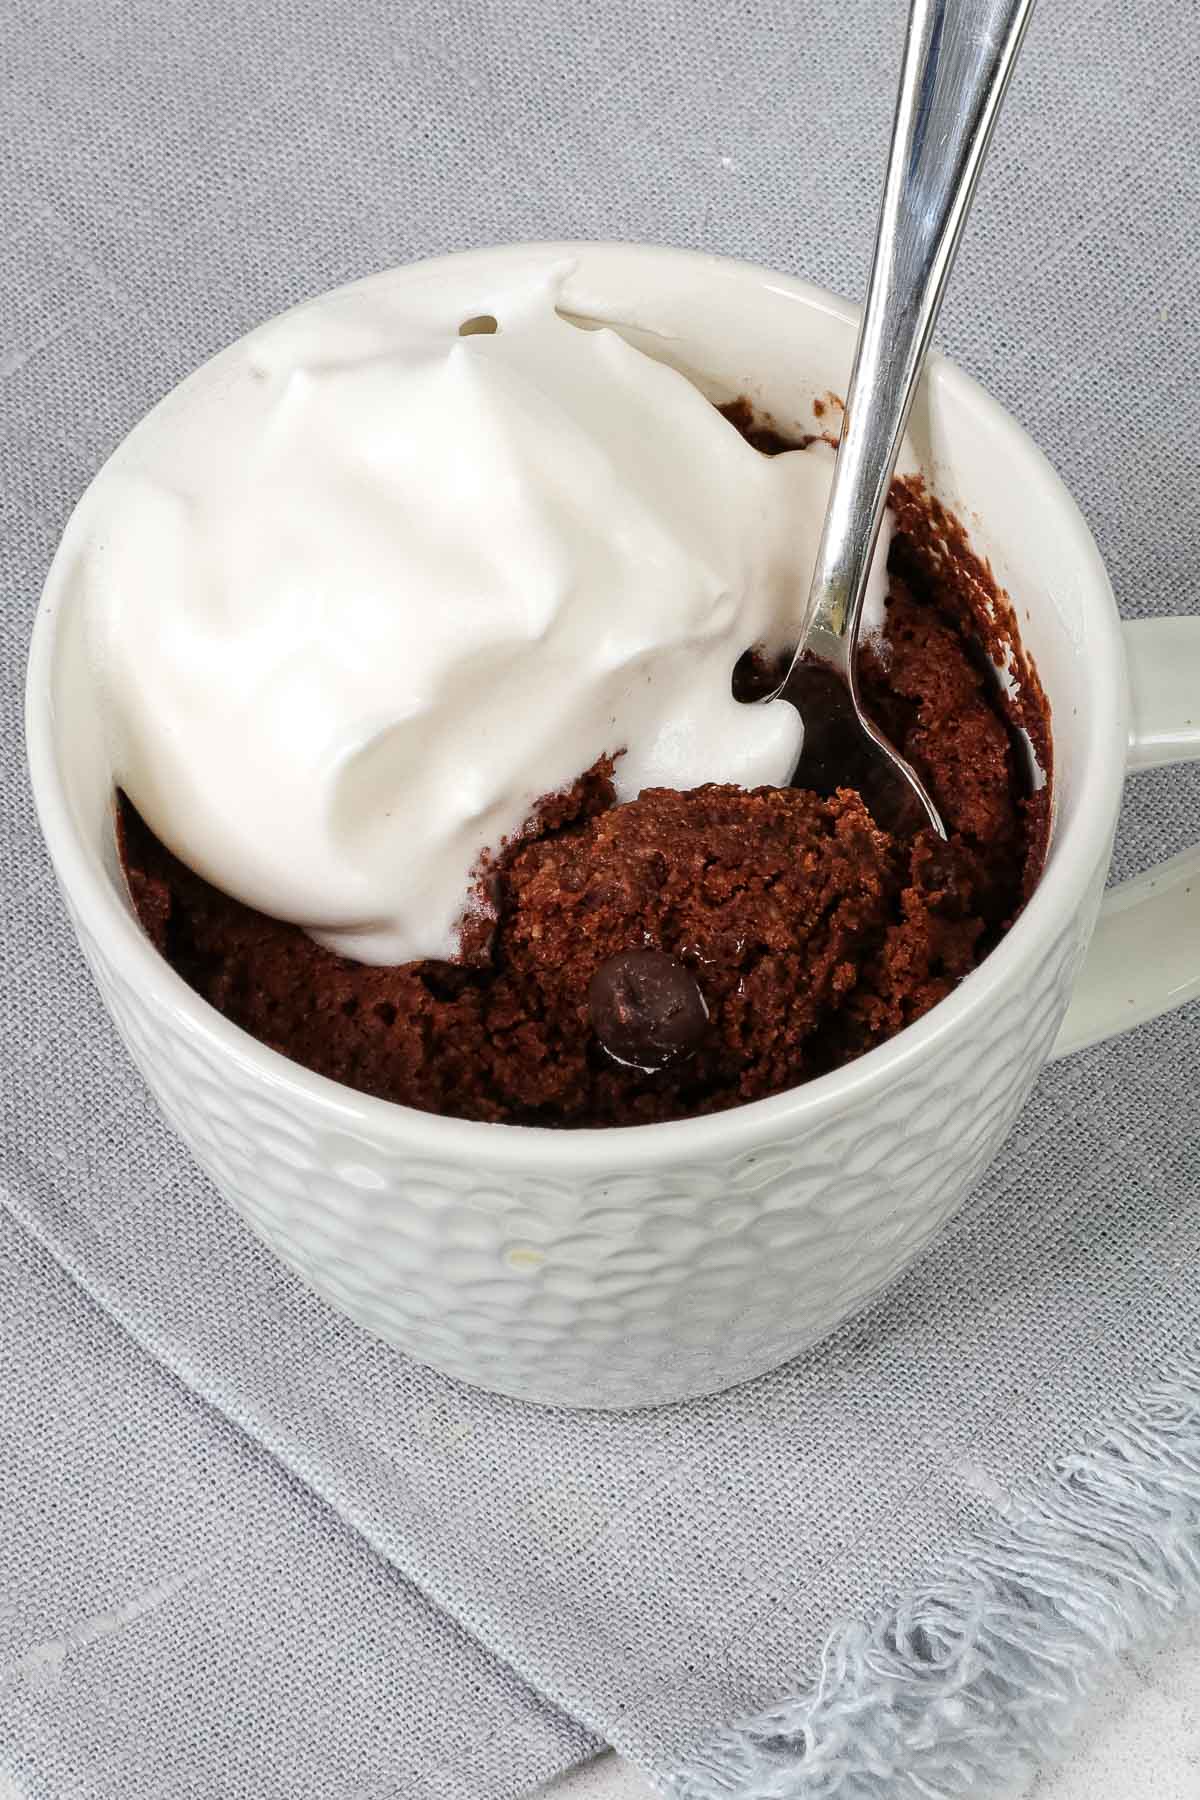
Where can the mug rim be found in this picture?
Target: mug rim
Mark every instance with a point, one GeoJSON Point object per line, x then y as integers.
{"type": "Point", "coordinates": [1075, 846]}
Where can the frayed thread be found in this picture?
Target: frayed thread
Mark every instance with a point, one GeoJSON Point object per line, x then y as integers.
{"type": "Point", "coordinates": [982, 1674]}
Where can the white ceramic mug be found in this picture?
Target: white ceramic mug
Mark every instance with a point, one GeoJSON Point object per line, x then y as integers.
{"type": "Point", "coordinates": [644, 1264]}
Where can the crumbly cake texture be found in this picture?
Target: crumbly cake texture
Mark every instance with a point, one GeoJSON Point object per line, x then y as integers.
{"type": "Point", "coordinates": [811, 934]}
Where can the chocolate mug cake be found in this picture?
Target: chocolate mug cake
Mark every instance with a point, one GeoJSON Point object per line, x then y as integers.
{"type": "Point", "coordinates": [628, 949]}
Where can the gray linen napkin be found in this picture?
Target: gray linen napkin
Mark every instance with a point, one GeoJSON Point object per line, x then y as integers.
{"type": "Point", "coordinates": [180, 1616]}
{"type": "Point", "coordinates": [322, 1545]}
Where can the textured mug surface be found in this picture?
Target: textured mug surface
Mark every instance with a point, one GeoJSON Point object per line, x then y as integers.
{"type": "Point", "coordinates": [639, 1264]}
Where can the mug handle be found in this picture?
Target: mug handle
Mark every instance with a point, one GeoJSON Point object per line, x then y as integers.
{"type": "Point", "coordinates": [1144, 957]}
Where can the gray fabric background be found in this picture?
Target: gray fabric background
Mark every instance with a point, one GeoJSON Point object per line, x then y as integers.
{"type": "Point", "coordinates": [180, 1617]}
{"type": "Point", "coordinates": [323, 1571]}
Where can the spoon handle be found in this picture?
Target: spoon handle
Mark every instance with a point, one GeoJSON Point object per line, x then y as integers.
{"type": "Point", "coordinates": [958, 57]}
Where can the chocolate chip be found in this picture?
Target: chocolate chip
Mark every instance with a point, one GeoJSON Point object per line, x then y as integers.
{"type": "Point", "coordinates": [646, 1009]}
{"type": "Point", "coordinates": [939, 870]}
{"type": "Point", "coordinates": [949, 878]}
{"type": "Point", "coordinates": [445, 980]}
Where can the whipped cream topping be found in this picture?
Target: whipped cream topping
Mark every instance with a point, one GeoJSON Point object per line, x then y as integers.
{"type": "Point", "coordinates": [367, 589]}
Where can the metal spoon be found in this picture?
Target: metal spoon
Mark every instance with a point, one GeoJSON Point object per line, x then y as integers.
{"type": "Point", "coordinates": [958, 58]}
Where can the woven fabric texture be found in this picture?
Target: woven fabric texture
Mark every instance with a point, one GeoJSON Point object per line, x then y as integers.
{"type": "Point", "coordinates": [245, 1549]}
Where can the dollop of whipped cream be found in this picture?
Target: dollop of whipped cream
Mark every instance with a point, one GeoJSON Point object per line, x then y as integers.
{"type": "Point", "coordinates": [370, 588]}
